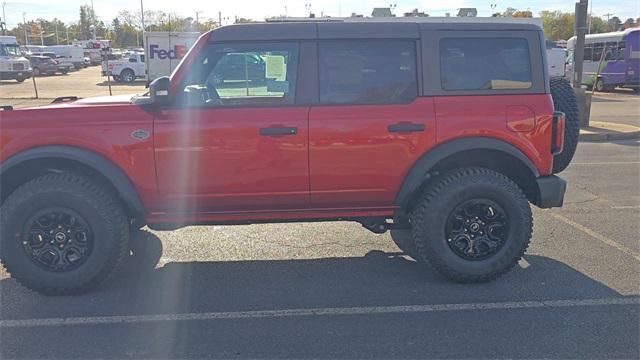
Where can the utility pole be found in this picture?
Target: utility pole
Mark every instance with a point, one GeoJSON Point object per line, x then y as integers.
{"type": "Point", "coordinates": [142, 15]}
{"type": "Point", "coordinates": [590, 16]}
{"type": "Point", "coordinates": [609, 15]}
{"type": "Point", "coordinates": [56, 25]}
{"type": "Point", "coordinates": [198, 17]}
{"type": "Point", "coordinates": [42, 33]}
{"type": "Point", "coordinates": [24, 23]}
{"type": "Point", "coordinates": [4, 20]}
{"type": "Point", "coordinates": [220, 18]}
{"type": "Point", "coordinates": [67, 31]}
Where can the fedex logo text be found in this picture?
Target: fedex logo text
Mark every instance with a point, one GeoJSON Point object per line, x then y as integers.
{"type": "Point", "coordinates": [178, 52]}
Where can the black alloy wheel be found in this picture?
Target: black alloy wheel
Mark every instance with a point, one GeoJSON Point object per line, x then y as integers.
{"type": "Point", "coordinates": [477, 229]}
{"type": "Point", "coordinates": [57, 239]}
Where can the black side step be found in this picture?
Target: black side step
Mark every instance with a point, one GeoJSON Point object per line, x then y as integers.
{"type": "Point", "coordinates": [6, 107]}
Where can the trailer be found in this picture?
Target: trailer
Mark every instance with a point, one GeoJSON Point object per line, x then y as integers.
{"type": "Point", "coordinates": [165, 50]}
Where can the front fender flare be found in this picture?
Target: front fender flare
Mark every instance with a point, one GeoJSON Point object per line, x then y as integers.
{"type": "Point", "coordinates": [99, 163]}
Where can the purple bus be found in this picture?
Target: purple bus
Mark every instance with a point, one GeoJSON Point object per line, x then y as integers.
{"type": "Point", "coordinates": [621, 65]}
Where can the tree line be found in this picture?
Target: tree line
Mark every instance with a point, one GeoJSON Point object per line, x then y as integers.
{"type": "Point", "coordinates": [126, 29]}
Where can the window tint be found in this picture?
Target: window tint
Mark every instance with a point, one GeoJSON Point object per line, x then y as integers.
{"type": "Point", "coordinates": [485, 64]}
{"type": "Point", "coordinates": [588, 52]}
{"type": "Point", "coordinates": [259, 74]}
{"type": "Point", "coordinates": [368, 72]}
{"type": "Point", "coordinates": [598, 48]}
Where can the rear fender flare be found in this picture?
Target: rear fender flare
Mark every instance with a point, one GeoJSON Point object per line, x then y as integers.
{"type": "Point", "coordinates": [419, 173]}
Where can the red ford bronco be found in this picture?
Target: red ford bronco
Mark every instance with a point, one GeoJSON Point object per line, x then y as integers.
{"type": "Point", "coordinates": [442, 132]}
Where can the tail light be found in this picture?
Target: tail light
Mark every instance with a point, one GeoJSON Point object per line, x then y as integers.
{"type": "Point", "coordinates": [557, 134]}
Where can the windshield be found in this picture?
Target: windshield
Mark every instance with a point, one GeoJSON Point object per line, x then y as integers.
{"type": "Point", "coordinates": [10, 50]}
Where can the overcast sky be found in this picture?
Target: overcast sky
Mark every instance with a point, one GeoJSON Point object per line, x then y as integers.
{"type": "Point", "coordinates": [67, 10]}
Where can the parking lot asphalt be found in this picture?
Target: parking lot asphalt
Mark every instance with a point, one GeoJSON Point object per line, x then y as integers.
{"type": "Point", "coordinates": [621, 106]}
{"type": "Point", "coordinates": [82, 83]}
{"type": "Point", "coordinates": [334, 290]}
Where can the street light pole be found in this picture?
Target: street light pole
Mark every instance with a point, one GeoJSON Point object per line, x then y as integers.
{"type": "Point", "coordinates": [24, 23]}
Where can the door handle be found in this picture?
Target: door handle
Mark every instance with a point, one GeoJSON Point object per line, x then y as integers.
{"type": "Point", "coordinates": [278, 131]}
{"type": "Point", "coordinates": [406, 128]}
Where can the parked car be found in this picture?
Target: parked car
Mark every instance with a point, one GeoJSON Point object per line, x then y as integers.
{"type": "Point", "coordinates": [64, 66]}
{"type": "Point", "coordinates": [44, 65]}
{"type": "Point", "coordinates": [342, 126]}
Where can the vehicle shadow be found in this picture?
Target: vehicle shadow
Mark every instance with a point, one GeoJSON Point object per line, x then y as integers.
{"type": "Point", "coordinates": [377, 279]}
{"type": "Point", "coordinates": [136, 83]}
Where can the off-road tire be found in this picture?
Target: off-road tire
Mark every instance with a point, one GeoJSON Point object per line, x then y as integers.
{"type": "Point", "coordinates": [440, 199]}
{"type": "Point", "coordinates": [564, 99]}
{"type": "Point", "coordinates": [97, 205]}
{"type": "Point", "coordinates": [403, 238]}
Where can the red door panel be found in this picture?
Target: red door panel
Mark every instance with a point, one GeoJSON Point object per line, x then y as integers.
{"type": "Point", "coordinates": [359, 155]}
{"type": "Point", "coordinates": [233, 159]}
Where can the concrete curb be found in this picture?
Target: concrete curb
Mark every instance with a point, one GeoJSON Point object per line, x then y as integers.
{"type": "Point", "coordinates": [603, 131]}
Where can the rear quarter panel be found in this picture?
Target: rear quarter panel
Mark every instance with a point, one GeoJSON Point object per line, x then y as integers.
{"type": "Point", "coordinates": [500, 117]}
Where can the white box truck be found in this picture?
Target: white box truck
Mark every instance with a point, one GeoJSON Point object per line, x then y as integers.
{"type": "Point", "coordinates": [70, 53]}
{"type": "Point", "coordinates": [164, 51]}
{"type": "Point", "coordinates": [13, 64]}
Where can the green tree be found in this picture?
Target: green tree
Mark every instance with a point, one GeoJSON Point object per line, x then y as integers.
{"type": "Point", "coordinates": [557, 25]}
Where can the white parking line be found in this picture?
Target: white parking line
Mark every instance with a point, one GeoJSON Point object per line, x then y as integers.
{"type": "Point", "coordinates": [597, 236]}
{"type": "Point", "coordinates": [102, 320]}
{"type": "Point", "coordinates": [607, 163]}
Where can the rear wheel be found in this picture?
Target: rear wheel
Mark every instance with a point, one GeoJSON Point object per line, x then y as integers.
{"type": "Point", "coordinates": [600, 85]}
{"type": "Point", "coordinates": [20, 79]}
{"type": "Point", "coordinates": [62, 234]}
{"type": "Point", "coordinates": [65, 71]}
{"type": "Point", "coordinates": [127, 76]}
{"type": "Point", "coordinates": [36, 71]}
{"type": "Point", "coordinates": [473, 225]}
{"type": "Point", "coordinates": [564, 99]}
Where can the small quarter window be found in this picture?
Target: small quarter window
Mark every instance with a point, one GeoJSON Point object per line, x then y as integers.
{"type": "Point", "coordinates": [485, 64]}
{"type": "Point", "coordinates": [368, 71]}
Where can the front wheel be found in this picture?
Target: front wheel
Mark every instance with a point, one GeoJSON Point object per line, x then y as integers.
{"type": "Point", "coordinates": [473, 225]}
{"type": "Point", "coordinates": [62, 234]}
{"type": "Point", "coordinates": [37, 72]}
{"type": "Point", "coordinates": [20, 79]}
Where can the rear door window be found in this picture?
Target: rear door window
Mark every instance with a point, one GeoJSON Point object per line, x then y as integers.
{"type": "Point", "coordinates": [485, 64]}
{"type": "Point", "coordinates": [367, 71]}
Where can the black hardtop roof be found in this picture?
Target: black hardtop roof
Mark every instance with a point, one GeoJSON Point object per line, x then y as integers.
{"type": "Point", "coordinates": [333, 28]}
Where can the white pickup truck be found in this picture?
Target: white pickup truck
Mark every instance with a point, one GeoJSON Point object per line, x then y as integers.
{"type": "Point", "coordinates": [127, 70]}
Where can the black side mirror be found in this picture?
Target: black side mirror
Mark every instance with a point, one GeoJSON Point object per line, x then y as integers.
{"type": "Point", "coordinates": [159, 90]}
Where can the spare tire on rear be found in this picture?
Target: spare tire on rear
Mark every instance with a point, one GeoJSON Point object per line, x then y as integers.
{"type": "Point", "coordinates": [564, 99]}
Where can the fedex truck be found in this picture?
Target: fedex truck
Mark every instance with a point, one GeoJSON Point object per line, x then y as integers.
{"type": "Point", "coordinates": [164, 51]}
